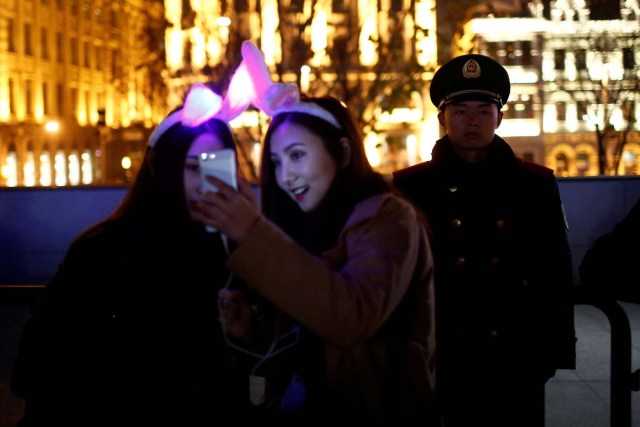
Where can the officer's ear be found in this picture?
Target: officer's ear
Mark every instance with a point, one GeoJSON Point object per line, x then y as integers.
{"type": "Point", "coordinates": [499, 119]}
{"type": "Point", "coordinates": [441, 119]}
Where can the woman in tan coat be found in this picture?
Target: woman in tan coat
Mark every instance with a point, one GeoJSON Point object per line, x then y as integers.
{"type": "Point", "coordinates": [346, 267]}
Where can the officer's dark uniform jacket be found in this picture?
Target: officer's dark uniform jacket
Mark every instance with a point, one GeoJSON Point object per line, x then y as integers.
{"type": "Point", "coordinates": [502, 262]}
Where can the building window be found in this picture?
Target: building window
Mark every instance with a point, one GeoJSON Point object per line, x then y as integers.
{"type": "Point", "coordinates": [338, 6]}
{"type": "Point", "coordinates": [45, 99]}
{"type": "Point", "coordinates": [241, 6]}
{"type": "Point", "coordinates": [28, 44]}
{"type": "Point", "coordinates": [86, 167]}
{"type": "Point", "coordinates": [87, 54]}
{"type": "Point", "coordinates": [44, 43]}
{"type": "Point", "coordinates": [74, 167]}
{"type": "Point", "coordinates": [74, 102]}
{"type": "Point", "coordinates": [561, 111]}
{"type": "Point", "coordinates": [99, 57]}
{"type": "Point", "coordinates": [60, 169]}
{"type": "Point", "coordinates": [11, 167]}
{"type": "Point", "coordinates": [98, 13]}
{"type": "Point", "coordinates": [45, 167]}
{"type": "Point", "coordinates": [558, 59]}
{"type": "Point", "coordinates": [562, 165]}
{"type": "Point", "coordinates": [86, 11]}
{"type": "Point", "coordinates": [510, 54]}
{"type": "Point", "coordinates": [629, 163]}
{"type": "Point", "coordinates": [73, 44]}
{"type": "Point", "coordinates": [520, 108]}
{"type": "Point", "coordinates": [582, 163]}
{"type": "Point", "coordinates": [59, 98]}
{"type": "Point", "coordinates": [629, 110]}
{"type": "Point", "coordinates": [581, 59]}
{"type": "Point", "coordinates": [28, 92]}
{"type": "Point", "coordinates": [296, 6]}
{"type": "Point", "coordinates": [526, 51]}
{"type": "Point", "coordinates": [628, 58]}
{"type": "Point", "coordinates": [11, 42]}
{"type": "Point", "coordinates": [12, 97]}
{"type": "Point", "coordinates": [59, 48]}
{"type": "Point", "coordinates": [582, 111]}
{"type": "Point", "coordinates": [29, 168]}
{"type": "Point", "coordinates": [113, 19]}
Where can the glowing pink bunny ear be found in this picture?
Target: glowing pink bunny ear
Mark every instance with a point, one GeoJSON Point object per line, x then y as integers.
{"type": "Point", "coordinates": [258, 71]}
{"type": "Point", "coordinates": [240, 93]}
{"type": "Point", "coordinates": [275, 98]}
{"type": "Point", "coordinates": [200, 105]}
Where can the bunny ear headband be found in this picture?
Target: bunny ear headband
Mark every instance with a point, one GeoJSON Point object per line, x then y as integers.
{"type": "Point", "coordinates": [202, 104]}
{"type": "Point", "coordinates": [275, 98]}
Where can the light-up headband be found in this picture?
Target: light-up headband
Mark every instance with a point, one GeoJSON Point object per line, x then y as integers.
{"type": "Point", "coordinates": [202, 104]}
{"type": "Point", "coordinates": [276, 98]}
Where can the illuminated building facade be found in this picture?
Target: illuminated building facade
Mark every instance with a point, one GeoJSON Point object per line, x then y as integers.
{"type": "Point", "coordinates": [576, 82]}
{"type": "Point", "coordinates": [83, 82]}
{"type": "Point", "coordinates": [377, 56]}
{"type": "Point", "coordinates": [76, 89]}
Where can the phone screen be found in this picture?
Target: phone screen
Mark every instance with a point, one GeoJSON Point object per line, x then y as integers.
{"type": "Point", "coordinates": [222, 165]}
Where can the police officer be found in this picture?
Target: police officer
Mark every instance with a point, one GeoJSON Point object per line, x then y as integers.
{"type": "Point", "coordinates": [502, 259]}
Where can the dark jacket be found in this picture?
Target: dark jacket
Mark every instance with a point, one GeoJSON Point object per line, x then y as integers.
{"type": "Point", "coordinates": [609, 266]}
{"type": "Point", "coordinates": [503, 266]}
{"type": "Point", "coordinates": [127, 333]}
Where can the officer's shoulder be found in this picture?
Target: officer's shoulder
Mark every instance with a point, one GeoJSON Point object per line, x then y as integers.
{"type": "Point", "coordinates": [535, 168]}
{"type": "Point", "coordinates": [417, 169]}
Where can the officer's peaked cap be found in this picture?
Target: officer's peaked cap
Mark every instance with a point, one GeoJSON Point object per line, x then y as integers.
{"type": "Point", "coordinates": [470, 76]}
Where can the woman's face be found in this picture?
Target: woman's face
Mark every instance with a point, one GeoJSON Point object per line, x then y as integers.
{"type": "Point", "coordinates": [192, 182]}
{"type": "Point", "coordinates": [303, 167]}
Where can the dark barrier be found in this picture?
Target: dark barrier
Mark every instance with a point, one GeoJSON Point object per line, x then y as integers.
{"type": "Point", "coordinates": [623, 380]}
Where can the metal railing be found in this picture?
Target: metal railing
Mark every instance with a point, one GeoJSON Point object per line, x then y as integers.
{"type": "Point", "coordinates": [623, 380]}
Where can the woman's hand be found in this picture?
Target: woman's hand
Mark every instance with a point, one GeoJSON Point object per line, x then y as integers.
{"type": "Point", "coordinates": [236, 316]}
{"type": "Point", "coordinates": [230, 211]}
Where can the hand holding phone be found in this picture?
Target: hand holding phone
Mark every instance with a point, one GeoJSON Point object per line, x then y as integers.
{"type": "Point", "coordinates": [222, 165]}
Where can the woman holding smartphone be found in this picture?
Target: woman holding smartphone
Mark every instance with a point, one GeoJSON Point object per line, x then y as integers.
{"type": "Point", "coordinates": [346, 265]}
{"type": "Point", "coordinates": [127, 331]}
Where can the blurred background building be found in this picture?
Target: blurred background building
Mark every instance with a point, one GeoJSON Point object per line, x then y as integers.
{"type": "Point", "coordinates": [83, 82]}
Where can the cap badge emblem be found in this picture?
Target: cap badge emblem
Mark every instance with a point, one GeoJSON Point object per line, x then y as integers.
{"type": "Point", "coordinates": [471, 69]}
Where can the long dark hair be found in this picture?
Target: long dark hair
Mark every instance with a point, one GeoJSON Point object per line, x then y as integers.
{"type": "Point", "coordinates": [156, 197]}
{"type": "Point", "coordinates": [318, 230]}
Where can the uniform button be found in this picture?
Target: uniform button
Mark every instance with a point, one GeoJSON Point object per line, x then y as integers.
{"type": "Point", "coordinates": [494, 333]}
{"type": "Point", "coordinates": [495, 261]}
{"type": "Point", "coordinates": [500, 224]}
{"type": "Point", "coordinates": [456, 223]}
{"type": "Point", "coordinates": [453, 189]}
{"type": "Point", "coordinates": [460, 261]}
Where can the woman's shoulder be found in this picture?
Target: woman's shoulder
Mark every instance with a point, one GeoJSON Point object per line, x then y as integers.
{"type": "Point", "coordinates": [386, 205]}
{"type": "Point", "coordinates": [104, 236]}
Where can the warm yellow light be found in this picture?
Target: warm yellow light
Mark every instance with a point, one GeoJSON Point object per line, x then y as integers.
{"type": "Point", "coordinates": [223, 21]}
{"type": "Point", "coordinates": [126, 162]}
{"type": "Point", "coordinates": [52, 126]}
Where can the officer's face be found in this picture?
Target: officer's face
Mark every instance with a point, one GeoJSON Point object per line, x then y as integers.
{"type": "Point", "coordinates": [470, 124]}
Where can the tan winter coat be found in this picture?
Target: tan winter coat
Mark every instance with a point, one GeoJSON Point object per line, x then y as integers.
{"type": "Point", "coordinates": [370, 299]}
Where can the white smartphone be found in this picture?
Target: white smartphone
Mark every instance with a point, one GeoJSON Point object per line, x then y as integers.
{"type": "Point", "coordinates": [222, 165]}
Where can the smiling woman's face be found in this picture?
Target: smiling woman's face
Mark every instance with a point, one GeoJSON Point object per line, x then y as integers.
{"type": "Point", "coordinates": [303, 167]}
